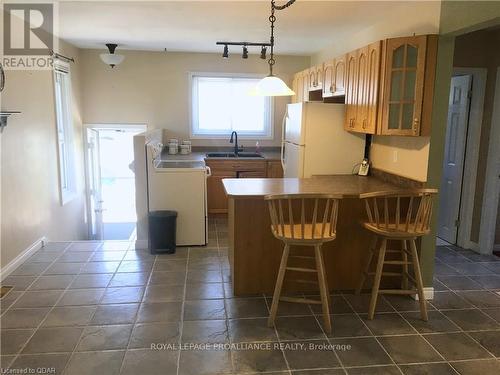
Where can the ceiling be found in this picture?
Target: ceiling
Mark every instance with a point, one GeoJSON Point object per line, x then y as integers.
{"type": "Point", "coordinates": [302, 29]}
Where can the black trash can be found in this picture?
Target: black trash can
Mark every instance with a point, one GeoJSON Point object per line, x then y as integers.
{"type": "Point", "coordinates": [162, 227]}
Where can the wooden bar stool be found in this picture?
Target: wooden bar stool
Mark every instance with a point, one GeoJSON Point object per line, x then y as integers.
{"type": "Point", "coordinates": [403, 216]}
{"type": "Point", "coordinates": [303, 220]}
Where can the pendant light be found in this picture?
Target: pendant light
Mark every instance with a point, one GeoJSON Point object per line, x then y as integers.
{"type": "Point", "coordinates": [272, 85]}
{"type": "Point", "coordinates": [111, 58]}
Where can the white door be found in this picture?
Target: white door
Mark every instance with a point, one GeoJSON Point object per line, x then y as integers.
{"type": "Point", "coordinates": [454, 156]}
{"type": "Point", "coordinates": [293, 160]}
{"type": "Point", "coordinates": [94, 194]}
{"type": "Point", "coordinates": [294, 131]}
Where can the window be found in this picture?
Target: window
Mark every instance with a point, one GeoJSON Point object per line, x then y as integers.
{"type": "Point", "coordinates": [221, 104]}
{"type": "Point", "coordinates": [64, 120]}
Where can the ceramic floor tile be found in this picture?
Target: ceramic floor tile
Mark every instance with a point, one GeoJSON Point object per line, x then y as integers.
{"type": "Point", "coordinates": [409, 349]}
{"type": "Point", "coordinates": [204, 291]}
{"type": "Point", "coordinates": [23, 318]}
{"type": "Point", "coordinates": [205, 362]}
{"type": "Point", "coordinates": [135, 266]}
{"type": "Point", "coordinates": [163, 293]}
{"type": "Point", "coordinates": [428, 369]}
{"type": "Point", "coordinates": [107, 256]}
{"type": "Point", "coordinates": [76, 297]}
{"type": "Point", "coordinates": [388, 324]}
{"type": "Point", "coordinates": [64, 268]}
{"type": "Point", "coordinates": [481, 299]}
{"type": "Point", "coordinates": [160, 312]}
{"type": "Point", "coordinates": [97, 338]}
{"type": "Point", "coordinates": [251, 330]}
{"type": "Point", "coordinates": [123, 295]}
{"type": "Point", "coordinates": [45, 298]}
{"type": "Point", "coordinates": [18, 282]}
{"type": "Point", "coordinates": [92, 363]}
{"type": "Point", "coordinates": [205, 331]}
{"type": "Point", "coordinates": [204, 309]}
{"type": "Point", "coordinates": [115, 314]}
{"type": "Point", "coordinates": [129, 279]}
{"type": "Point", "coordinates": [470, 320]}
{"type": "Point", "coordinates": [489, 340]}
{"type": "Point", "coordinates": [145, 335]}
{"type": "Point", "coordinates": [53, 340]}
{"type": "Point", "coordinates": [360, 352]}
{"type": "Point", "coordinates": [298, 328]}
{"type": "Point", "coordinates": [246, 308]}
{"type": "Point", "coordinates": [13, 340]}
{"type": "Point", "coordinates": [54, 282]}
{"type": "Point", "coordinates": [437, 322]}
{"type": "Point", "coordinates": [456, 346]}
{"type": "Point", "coordinates": [310, 355]}
{"type": "Point", "coordinates": [91, 281]}
{"type": "Point", "coordinates": [258, 361]}
{"type": "Point", "coordinates": [69, 316]}
{"type": "Point", "coordinates": [374, 370]}
{"type": "Point", "coordinates": [30, 269]}
{"type": "Point", "coordinates": [167, 278]}
{"type": "Point", "coordinates": [52, 363]}
{"type": "Point", "coordinates": [100, 267]}
{"type": "Point", "coordinates": [150, 362]}
{"type": "Point", "coordinates": [477, 367]}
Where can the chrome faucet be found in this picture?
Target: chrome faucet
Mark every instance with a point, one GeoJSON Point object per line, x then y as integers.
{"type": "Point", "coordinates": [234, 139]}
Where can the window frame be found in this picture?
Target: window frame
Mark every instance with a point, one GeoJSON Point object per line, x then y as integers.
{"type": "Point", "coordinates": [269, 115]}
{"type": "Point", "coordinates": [65, 143]}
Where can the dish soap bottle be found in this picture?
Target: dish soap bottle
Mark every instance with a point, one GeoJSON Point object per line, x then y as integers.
{"type": "Point", "coordinates": [257, 147]}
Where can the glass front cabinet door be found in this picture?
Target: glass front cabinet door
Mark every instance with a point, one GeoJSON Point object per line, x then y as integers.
{"type": "Point", "coordinates": [404, 86]}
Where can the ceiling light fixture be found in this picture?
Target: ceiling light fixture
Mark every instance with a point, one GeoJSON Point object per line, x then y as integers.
{"type": "Point", "coordinates": [111, 58]}
{"type": "Point", "coordinates": [272, 85]}
{"type": "Point", "coordinates": [225, 54]}
{"type": "Point", "coordinates": [245, 52]}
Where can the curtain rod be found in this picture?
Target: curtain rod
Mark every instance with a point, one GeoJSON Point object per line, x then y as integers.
{"type": "Point", "coordinates": [62, 57]}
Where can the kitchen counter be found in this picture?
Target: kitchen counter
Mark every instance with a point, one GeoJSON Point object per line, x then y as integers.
{"type": "Point", "coordinates": [201, 156]}
{"type": "Point", "coordinates": [255, 254]}
{"type": "Point", "coordinates": [347, 186]}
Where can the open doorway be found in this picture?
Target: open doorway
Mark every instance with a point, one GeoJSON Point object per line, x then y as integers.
{"type": "Point", "coordinates": [110, 181]}
{"type": "Point", "coordinates": [470, 187]}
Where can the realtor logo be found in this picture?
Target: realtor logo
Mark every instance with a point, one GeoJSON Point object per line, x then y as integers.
{"type": "Point", "coordinates": [28, 35]}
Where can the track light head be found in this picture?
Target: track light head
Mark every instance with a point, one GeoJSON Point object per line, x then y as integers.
{"type": "Point", "coordinates": [225, 54]}
{"type": "Point", "coordinates": [263, 52]}
{"type": "Point", "coordinates": [245, 52]}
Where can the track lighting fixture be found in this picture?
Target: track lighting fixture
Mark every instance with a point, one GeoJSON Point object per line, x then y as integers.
{"type": "Point", "coordinates": [225, 54]}
{"type": "Point", "coordinates": [263, 52]}
{"type": "Point", "coordinates": [270, 85]}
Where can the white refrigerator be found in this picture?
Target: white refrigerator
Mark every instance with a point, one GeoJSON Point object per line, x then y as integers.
{"type": "Point", "coordinates": [314, 141]}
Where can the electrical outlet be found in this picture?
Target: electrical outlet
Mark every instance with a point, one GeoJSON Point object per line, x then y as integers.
{"type": "Point", "coordinates": [395, 156]}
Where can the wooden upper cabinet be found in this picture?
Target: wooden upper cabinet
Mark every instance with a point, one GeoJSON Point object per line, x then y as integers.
{"type": "Point", "coordinates": [334, 77]}
{"type": "Point", "coordinates": [405, 78]}
{"type": "Point", "coordinates": [339, 75]}
{"type": "Point", "coordinates": [351, 90]}
{"type": "Point", "coordinates": [328, 78]}
{"type": "Point", "coordinates": [316, 77]}
{"type": "Point", "coordinates": [297, 88]}
{"type": "Point", "coordinates": [305, 85]}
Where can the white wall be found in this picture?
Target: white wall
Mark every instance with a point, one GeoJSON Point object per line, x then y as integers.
{"type": "Point", "coordinates": [152, 88]}
{"type": "Point", "coordinates": [30, 192]}
{"type": "Point", "coordinates": [419, 17]}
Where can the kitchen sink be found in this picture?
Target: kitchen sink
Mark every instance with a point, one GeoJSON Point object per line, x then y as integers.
{"type": "Point", "coordinates": [221, 155]}
{"type": "Point", "coordinates": [249, 155]}
{"type": "Point", "coordinates": [233, 155]}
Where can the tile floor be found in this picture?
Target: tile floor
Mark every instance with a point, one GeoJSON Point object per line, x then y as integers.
{"type": "Point", "coordinates": [96, 308]}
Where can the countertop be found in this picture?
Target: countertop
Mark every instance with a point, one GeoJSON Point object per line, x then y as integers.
{"type": "Point", "coordinates": [347, 186]}
{"type": "Point", "coordinates": [201, 156]}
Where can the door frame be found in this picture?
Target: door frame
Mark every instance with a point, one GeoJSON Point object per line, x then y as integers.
{"type": "Point", "coordinates": [492, 182]}
{"type": "Point", "coordinates": [97, 126]}
{"type": "Point", "coordinates": [479, 76]}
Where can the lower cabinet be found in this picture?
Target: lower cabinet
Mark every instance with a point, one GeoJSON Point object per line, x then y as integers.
{"type": "Point", "coordinates": [216, 195]}
{"type": "Point", "coordinates": [274, 169]}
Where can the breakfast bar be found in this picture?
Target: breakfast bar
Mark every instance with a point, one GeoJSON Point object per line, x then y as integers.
{"type": "Point", "coordinates": [255, 254]}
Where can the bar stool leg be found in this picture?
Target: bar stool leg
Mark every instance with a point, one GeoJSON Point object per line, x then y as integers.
{"type": "Point", "coordinates": [404, 256]}
{"type": "Point", "coordinates": [418, 278]}
{"type": "Point", "coordinates": [376, 281]}
{"type": "Point", "coordinates": [361, 282]}
{"type": "Point", "coordinates": [323, 288]}
{"type": "Point", "coordinates": [279, 285]}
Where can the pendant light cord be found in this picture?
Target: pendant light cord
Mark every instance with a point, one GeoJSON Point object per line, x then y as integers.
{"type": "Point", "coordinates": [272, 19]}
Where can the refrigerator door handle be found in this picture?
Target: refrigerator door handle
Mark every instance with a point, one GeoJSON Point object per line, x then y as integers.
{"type": "Point", "coordinates": [283, 131]}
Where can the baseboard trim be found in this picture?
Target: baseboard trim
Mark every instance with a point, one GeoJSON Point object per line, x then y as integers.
{"type": "Point", "coordinates": [25, 254]}
{"type": "Point", "coordinates": [428, 294]}
{"type": "Point", "coordinates": [141, 244]}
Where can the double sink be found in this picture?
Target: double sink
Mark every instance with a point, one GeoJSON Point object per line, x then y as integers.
{"type": "Point", "coordinates": [234, 155]}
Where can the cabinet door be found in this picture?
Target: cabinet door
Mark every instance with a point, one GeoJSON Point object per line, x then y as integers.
{"type": "Point", "coordinates": [305, 85]}
{"type": "Point", "coordinates": [361, 91]}
{"type": "Point", "coordinates": [319, 77]}
{"type": "Point", "coordinates": [328, 79]}
{"type": "Point", "coordinates": [216, 195]}
{"type": "Point", "coordinates": [404, 82]}
{"type": "Point", "coordinates": [274, 169]}
{"type": "Point", "coordinates": [351, 90]}
{"type": "Point", "coordinates": [372, 87]}
{"type": "Point", "coordinates": [312, 79]}
{"type": "Point", "coordinates": [295, 86]}
{"type": "Point", "coordinates": [339, 76]}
